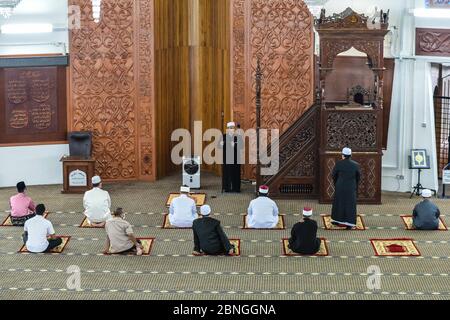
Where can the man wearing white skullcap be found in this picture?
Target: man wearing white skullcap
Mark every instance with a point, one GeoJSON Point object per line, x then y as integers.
{"type": "Point", "coordinates": [209, 237]}
{"type": "Point", "coordinates": [182, 210]}
{"type": "Point", "coordinates": [346, 175]}
{"type": "Point", "coordinates": [262, 213]}
{"type": "Point", "coordinates": [232, 145]}
{"type": "Point", "coordinates": [426, 214]}
{"type": "Point", "coordinates": [97, 204]}
{"type": "Point", "coordinates": [304, 235]}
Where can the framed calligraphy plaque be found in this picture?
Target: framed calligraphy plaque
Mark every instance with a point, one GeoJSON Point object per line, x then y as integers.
{"type": "Point", "coordinates": [33, 107]}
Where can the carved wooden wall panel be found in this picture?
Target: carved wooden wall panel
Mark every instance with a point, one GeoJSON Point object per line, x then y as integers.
{"type": "Point", "coordinates": [33, 105]}
{"type": "Point", "coordinates": [112, 86]}
{"type": "Point", "coordinates": [368, 191]}
{"type": "Point", "coordinates": [280, 34]}
{"type": "Point", "coordinates": [433, 42]}
{"type": "Point", "coordinates": [356, 130]}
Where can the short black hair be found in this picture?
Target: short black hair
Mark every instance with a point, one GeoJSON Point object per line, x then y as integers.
{"type": "Point", "coordinates": [347, 157]}
{"type": "Point", "coordinates": [95, 185]}
{"type": "Point", "coordinates": [40, 209]}
{"type": "Point", "coordinates": [118, 212]}
{"type": "Point", "coordinates": [21, 186]}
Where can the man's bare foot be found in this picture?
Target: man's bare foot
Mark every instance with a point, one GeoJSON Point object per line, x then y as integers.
{"type": "Point", "coordinates": [139, 251]}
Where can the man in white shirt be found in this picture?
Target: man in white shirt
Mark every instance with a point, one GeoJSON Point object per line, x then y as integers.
{"type": "Point", "coordinates": [262, 211]}
{"type": "Point", "coordinates": [183, 210]}
{"type": "Point", "coordinates": [97, 204]}
{"type": "Point", "coordinates": [39, 234]}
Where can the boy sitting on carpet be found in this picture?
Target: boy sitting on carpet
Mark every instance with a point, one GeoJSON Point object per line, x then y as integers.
{"type": "Point", "coordinates": [119, 236]}
{"type": "Point", "coordinates": [22, 207]}
{"type": "Point", "coordinates": [39, 234]}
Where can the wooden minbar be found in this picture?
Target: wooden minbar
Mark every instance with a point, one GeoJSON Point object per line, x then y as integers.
{"type": "Point", "coordinates": [77, 174]}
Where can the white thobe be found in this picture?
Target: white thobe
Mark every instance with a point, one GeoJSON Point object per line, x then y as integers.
{"type": "Point", "coordinates": [262, 213]}
{"type": "Point", "coordinates": [182, 212]}
{"type": "Point", "coordinates": [97, 204]}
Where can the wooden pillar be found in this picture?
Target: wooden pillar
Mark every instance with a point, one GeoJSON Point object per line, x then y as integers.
{"type": "Point", "coordinates": [192, 50]}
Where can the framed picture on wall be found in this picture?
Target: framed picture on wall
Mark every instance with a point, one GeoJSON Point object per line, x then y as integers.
{"type": "Point", "coordinates": [437, 4]}
{"type": "Point", "coordinates": [419, 159]}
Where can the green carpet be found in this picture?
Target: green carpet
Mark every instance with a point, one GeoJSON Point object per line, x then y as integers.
{"type": "Point", "coordinates": [260, 273]}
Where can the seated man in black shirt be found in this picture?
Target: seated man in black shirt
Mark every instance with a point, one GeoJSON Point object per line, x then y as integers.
{"type": "Point", "coordinates": [304, 235]}
{"type": "Point", "coordinates": [209, 237]}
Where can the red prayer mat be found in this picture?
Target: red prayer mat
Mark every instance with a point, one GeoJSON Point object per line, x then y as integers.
{"type": "Point", "coordinates": [408, 221]}
{"type": "Point", "coordinates": [147, 243]}
{"type": "Point", "coordinates": [280, 225]}
{"type": "Point", "coordinates": [59, 249]}
{"type": "Point", "coordinates": [200, 198]}
{"type": "Point", "coordinates": [360, 226]}
{"type": "Point", "coordinates": [395, 247]}
{"type": "Point", "coordinates": [7, 222]}
{"type": "Point", "coordinates": [323, 251]}
{"type": "Point", "coordinates": [85, 224]}
{"type": "Point", "coordinates": [237, 248]}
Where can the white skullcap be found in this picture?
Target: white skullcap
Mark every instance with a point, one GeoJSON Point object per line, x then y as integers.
{"type": "Point", "coordinates": [426, 193]}
{"type": "Point", "coordinates": [347, 152]}
{"type": "Point", "coordinates": [264, 189]}
{"type": "Point", "coordinates": [185, 189]}
{"type": "Point", "coordinates": [205, 210]}
{"type": "Point", "coordinates": [307, 212]}
{"type": "Point", "coordinates": [96, 180]}
{"type": "Point", "coordinates": [231, 124]}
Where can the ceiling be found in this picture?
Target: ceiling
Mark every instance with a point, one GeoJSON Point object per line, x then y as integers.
{"type": "Point", "coordinates": [39, 11]}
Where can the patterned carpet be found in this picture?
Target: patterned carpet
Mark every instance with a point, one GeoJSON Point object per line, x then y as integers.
{"type": "Point", "coordinates": [261, 272]}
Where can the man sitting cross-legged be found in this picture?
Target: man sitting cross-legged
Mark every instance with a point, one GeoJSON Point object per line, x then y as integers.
{"type": "Point", "coordinates": [97, 204]}
{"type": "Point", "coordinates": [426, 213]}
{"type": "Point", "coordinates": [39, 234]}
{"type": "Point", "coordinates": [209, 237]}
{"type": "Point", "coordinates": [304, 235]}
{"type": "Point", "coordinates": [183, 210]}
{"type": "Point", "coordinates": [262, 211]}
{"type": "Point", "coordinates": [22, 207]}
{"type": "Point", "coordinates": [119, 236]}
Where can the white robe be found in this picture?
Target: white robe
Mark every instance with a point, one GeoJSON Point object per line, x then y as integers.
{"type": "Point", "coordinates": [182, 212]}
{"type": "Point", "coordinates": [97, 204]}
{"type": "Point", "coordinates": [262, 213]}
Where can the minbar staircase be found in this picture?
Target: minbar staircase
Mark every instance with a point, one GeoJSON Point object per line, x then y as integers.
{"type": "Point", "coordinates": [298, 174]}
{"type": "Point", "coordinates": [310, 148]}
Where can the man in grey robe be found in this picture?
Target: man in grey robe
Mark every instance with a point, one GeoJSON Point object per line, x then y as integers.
{"type": "Point", "coordinates": [426, 213]}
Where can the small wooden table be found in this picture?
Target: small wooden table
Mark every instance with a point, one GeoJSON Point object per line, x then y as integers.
{"type": "Point", "coordinates": [77, 174]}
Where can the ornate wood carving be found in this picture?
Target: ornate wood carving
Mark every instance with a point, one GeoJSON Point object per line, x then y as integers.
{"type": "Point", "coordinates": [332, 48]}
{"type": "Point", "coordinates": [349, 19]}
{"type": "Point", "coordinates": [359, 128]}
{"type": "Point", "coordinates": [356, 130]}
{"type": "Point", "coordinates": [111, 84]}
{"type": "Point", "coordinates": [280, 34]}
{"type": "Point", "coordinates": [146, 95]}
{"type": "Point", "coordinates": [306, 167]}
{"type": "Point", "coordinates": [298, 159]}
{"type": "Point", "coordinates": [368, 191]}
{"type": "Point", "coordinates": [432, 42]}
